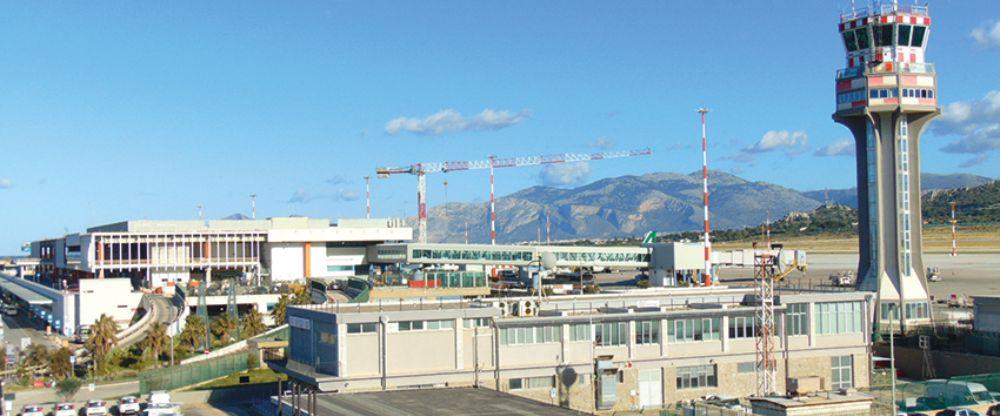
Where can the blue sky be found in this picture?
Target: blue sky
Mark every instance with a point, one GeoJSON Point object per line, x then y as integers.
{"type": "Point", "coordinates": [145, 110]}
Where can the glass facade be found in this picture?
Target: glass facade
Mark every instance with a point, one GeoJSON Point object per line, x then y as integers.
{"type": "Point", "coordinates": [530, 335]}
{"type": "Point", "coordinates": [904, 195]}
{"type": "Point", "coordinates": [870, 279]}
{"type": "Point", "coordinates": [838, 318]}
{"type": "Point", "coordinates": [647, 332]}
{"type": "Point", "coordinates": [797, 319]}
{"type": "Point", "coordinates": [693, 329]}
{"type": "Point", "coordinates": [611, 333]}
{"type": "Point", "coordinates": [521, 256]}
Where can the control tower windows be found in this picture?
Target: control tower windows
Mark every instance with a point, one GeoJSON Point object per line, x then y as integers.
{"type": "Point", "coordinates": [918, 36]}
{"type": "Point", "coordinates": [863, 38]}
{"type": "Point", "coordinates": [883, 35]}
{"type": "Point", "coordinates": [849, 41]}
{"type": "Point", "coordinates": [903, 35]}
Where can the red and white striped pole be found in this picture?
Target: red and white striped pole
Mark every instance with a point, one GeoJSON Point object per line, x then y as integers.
{"type": "Point", "coordinates": [954, 233]}
{"type": "Point", "coordinates": [493, 207]}
{"type": "Point", "coordinates": [422, 205]}
{"type": "Point", "coordinates": [368, 197]}
{"type": "Point", "coordinates": [707, 274]}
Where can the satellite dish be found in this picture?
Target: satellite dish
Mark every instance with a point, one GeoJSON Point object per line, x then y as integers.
{"type": "Point", "coordinates": [548, 260]}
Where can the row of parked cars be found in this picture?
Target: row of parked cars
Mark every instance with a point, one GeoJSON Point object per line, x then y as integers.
{"type": "Point", "coordinates": [158, 405]}
{"type": "Point", "coordinates": [993, 411]}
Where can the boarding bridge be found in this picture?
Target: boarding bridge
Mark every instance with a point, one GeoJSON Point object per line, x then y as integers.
{"type": "Point", "coordinates": [664, 256]}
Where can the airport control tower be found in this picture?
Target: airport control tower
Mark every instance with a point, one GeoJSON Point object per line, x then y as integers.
{"type": "Point", "coordinates": [886, 96]}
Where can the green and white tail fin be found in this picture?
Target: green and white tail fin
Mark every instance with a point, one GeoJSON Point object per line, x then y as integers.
{"type": "Point", "coordinates": [650, 238]}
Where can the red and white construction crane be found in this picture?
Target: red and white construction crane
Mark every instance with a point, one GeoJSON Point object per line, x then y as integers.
{"type": "Point", "coordinates": [491, 163]}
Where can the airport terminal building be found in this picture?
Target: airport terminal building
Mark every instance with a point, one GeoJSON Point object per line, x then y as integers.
{"type": "Point", "coordinates": [627, 350]}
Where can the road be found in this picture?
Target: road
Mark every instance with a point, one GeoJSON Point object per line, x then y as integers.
{"type": "Point", "coordinates": [21, 326]}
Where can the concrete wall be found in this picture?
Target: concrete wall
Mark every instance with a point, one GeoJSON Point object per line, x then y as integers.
{"type": "Point", "coordinates": [111, 297]}
{"type": "Point", "coordinates": [946, 364]}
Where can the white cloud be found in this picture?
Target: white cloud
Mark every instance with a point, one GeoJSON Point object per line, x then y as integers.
{"type": "Point", "coordinates": [793, 143]}
{"type": "Point", "coordinates": [977, 125]}
{"type": "Point", "coordinates": [840, 147]}
{"type": "Point", "coordinates": [987, 35]}
{"type": "Point", "coordinates": [602, 143]}
{"type": "Point", "coordinates": [6, 183]}
{"type": "Point", "coordinates": [451, 121]}
{"type": "Point", "coordinates": [562, 174]}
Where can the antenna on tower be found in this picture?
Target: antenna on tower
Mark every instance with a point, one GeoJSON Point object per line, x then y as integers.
{"type": "Point", "coordinates": [253, 206]}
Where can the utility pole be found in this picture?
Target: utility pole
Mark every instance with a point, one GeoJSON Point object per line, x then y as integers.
{"type": "Point", "coordinates": [253, 206]}
{"type": "Point", "coordinates": [445, 238]}
{"type": "Point", "coordinates": [201, 213]}
{"type": "Point", "coordinates": [707, 274]}
{"type": "Point", "coordinates": [466, 232]}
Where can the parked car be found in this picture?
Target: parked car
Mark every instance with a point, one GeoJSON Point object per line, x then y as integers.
{"type": "Point", "coordinates": [128, 405]}
{"type": "Point", "coordinates": [64, 409]}
{"type": "Point", "coordinates": [32, 410]}
{"type": "Point", "coordinates": [10, 310]}
{"type": "Point", "coordinates": [96, 408]}
{"type": "Point", "coordinates": [161, 409]}
{"type": "Point", "coordinates": [158, 397]}
{"type": "Point", "coordinates": [958, 412]}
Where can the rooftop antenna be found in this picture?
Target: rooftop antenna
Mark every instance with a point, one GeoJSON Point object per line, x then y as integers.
{"type": "Point", "coordinates": [954, 232]}
{"type": "Point", "coordinates": [466, 232]}
{"type": "Point", "coordinates": [253, 206]}
{"type": "Point", "coordinates": [201, 213]}
{"type": "Point", "coordinates": [445, 210]}
{"type": "Point", "coordinates": [707, 273]}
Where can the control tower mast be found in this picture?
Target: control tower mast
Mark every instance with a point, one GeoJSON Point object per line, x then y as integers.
{"type": "Point", "coordinates": [886, 96]}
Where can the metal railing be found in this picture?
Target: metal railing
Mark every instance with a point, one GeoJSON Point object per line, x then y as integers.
{"type": "Point", "coordinates": [883, 9]}
{"type": "Point", "coordinates": [886, 68]}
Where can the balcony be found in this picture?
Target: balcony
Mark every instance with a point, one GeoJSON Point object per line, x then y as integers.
{"type": "Point", "coordinates": [883, 10]}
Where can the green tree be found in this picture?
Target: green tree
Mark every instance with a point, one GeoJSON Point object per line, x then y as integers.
{"type": "Point", "coordinates": [156, 341]}
{"type": "Point", "coordinates": [67, 388]}
{"type": "Point", "coordinates": [36, 355]}
{"type": "Point", "coordinates": [223, 327]}
{"type": "Point", "coordinates": [103, 338]}
{"type": "Point", "coordinates": [278, 314]}
{"type": "Point", "coordinates": [59, 363]}
{"type": "Point", "coordinates": [252, 323]}
{"type": "Point", "coordinates": [193, 334]}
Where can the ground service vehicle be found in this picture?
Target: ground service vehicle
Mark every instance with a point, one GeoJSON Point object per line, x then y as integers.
{"type": "Point", "coordinates": [32, 410]}
{"type": "Point", "coordinates": [96, 408]}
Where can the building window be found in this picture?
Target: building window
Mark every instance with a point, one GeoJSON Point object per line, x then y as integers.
{"type": "Point", "coordinates": [426, 325]}
{"type": "Point", "coordinates": [842, 369]}
{"type": "Point", "coordinates": [647, 332]}
{"type": "Point", "coordinates": [741, 327]}
{"type": "Point", "coordinates": [530, 335]}
{"type": "Point", "coordinates": [580, 332]}
{"type": "Point", "coordinates": [698, 376]}
{"type": "Point", "coordinates": [411, 325]}
{"type": "Point", "coordinates": [916, 310]}
{"type": "Point", "coordinates": [364, 328]}
{"type": "Point", "coordinates": [469, 323]}
{"type": "Point", "coordinates": [747, 367]}
{"type": "Point", "coordinates": [611, 333]}
{"type": "Point", "coordinates": [796, 319]}
{"type": "Point", "coordinates": [838, 317]}
{"type": "Point", "coordinates": [694, 329]}
{"type": "Point", "coordinates": [544, 382]}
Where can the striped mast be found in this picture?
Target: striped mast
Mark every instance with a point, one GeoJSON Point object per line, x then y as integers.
{"type": "Point", "coordinates": [954, 233]}
{"type": "Point", "coordinates": [493, 207]}
{"type": "Point", "coordinates": [368, 197]}
{"type": "Point", "coordinates": [707, 273]}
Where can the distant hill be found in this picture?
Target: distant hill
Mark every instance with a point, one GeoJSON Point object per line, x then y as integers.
{"type": "Point", "coordinates": [928, 181]}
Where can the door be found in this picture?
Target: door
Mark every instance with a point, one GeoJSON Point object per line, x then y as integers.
{"type": "Point", "coordinates": [650, 388]}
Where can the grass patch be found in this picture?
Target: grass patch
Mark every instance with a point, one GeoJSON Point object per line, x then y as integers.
{"type": "Point", "coordinates": [257, 376]}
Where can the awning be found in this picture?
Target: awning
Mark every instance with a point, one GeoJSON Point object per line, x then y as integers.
{"type": "Point", "coordinates": [24, 293]}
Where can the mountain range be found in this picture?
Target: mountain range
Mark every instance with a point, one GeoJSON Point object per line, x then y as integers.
{"type": "Point", "coordinates": [632, 205]}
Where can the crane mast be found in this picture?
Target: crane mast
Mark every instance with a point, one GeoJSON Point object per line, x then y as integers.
{"type": "Point", "coordinates": [492, 163]}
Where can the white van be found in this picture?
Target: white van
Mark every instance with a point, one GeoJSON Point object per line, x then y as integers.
{"type": "Point", "coordinates": [964, 392]}
{"type": "Point", "coordinates": [158, 397]}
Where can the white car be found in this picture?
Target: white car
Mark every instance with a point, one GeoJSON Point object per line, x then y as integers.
{"type": "Point", "coordinates": [158, 397]}
{"type": "Point", "coordinates": [32, 410]}
{"type": "Point", "coordinates": [96, 408]}
{"type": "Point", "coordinates": [128, 405]}
{"type": "Point", "coordinates": [64, 409]}
{"type": "Point", "coordinates": [162, 409]}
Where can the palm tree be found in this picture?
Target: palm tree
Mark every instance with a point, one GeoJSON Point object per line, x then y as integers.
{"type": "Point", "coordinates": [253, 323]}
{"type": "Point", "coordinates": [156, 340]}
{"type": "Point", "coordinates": [59, 364]}
{"type": "Point", "coordinates": [103, 337]}
{"type": "Point", "coordinates": [222, 328]}
{"type": "Point", "coordinates": [36, 355]}
{"type": "Point", "coordinates": [278, 314]}
{"type": "Point", "coordinates": [194, 332]}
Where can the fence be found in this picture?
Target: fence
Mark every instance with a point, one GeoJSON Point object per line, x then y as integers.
{"type": "Point", "coordinates": [171, 378]}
